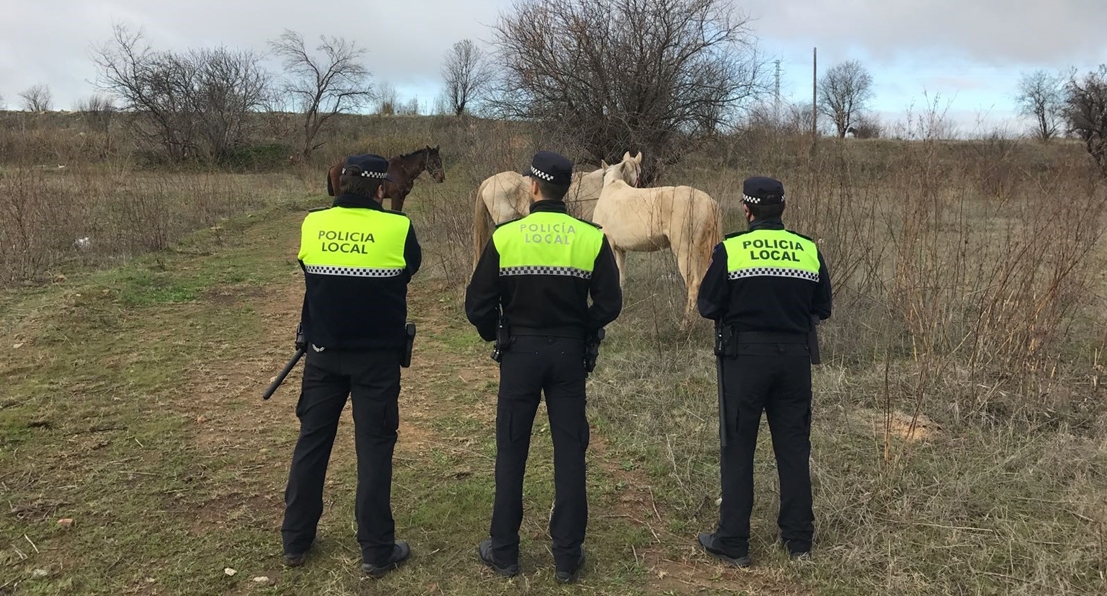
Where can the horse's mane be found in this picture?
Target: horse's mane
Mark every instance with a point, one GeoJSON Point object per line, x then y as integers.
{"type": "Point", "coordinates": [420, 150]}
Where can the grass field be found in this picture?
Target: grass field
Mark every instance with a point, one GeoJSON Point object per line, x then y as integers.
{"type": "Point", "coordinates": [131, 405]}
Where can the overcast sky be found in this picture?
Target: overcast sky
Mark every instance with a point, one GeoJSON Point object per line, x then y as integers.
{"type": "Point", "coordinates": [969, 52]}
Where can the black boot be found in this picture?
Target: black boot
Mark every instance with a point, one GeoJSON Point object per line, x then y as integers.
{"type": "Point", "coordinates": [484, 551]}
{"type": "Point", "coordinates": [400, 553]}
{"type": "Point", "coordinates": [711, 545]}
{"type": "Point", "coordinates": [568, 576]}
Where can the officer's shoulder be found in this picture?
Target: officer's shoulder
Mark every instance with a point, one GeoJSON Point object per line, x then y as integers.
{"type": "Point", "coordinates": [735, 234]}
{"type": "Point", "coordinates": [394, 212]}
{"type": "Point", "coordinates": [585, 221]}
{"type": "Point", "coordinates": [500, 225]}
{"type": "Point", "coordinates": [801, 235]}
{"type": "Point", "coordinates": [318, 209]}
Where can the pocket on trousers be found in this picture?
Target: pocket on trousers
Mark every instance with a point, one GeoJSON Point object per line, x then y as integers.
{"type": "Point", "coordinates": [510, 427]}
{"type": "Point", "coordinates": [300, 405]}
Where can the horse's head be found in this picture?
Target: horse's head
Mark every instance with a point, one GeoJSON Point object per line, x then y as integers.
{"type": "Point", "coordinates": [629, 170]}
{"type": "Point", "coordinates": [434, 164]}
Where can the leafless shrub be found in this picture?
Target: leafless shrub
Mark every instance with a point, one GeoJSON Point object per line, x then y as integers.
{"type": "Point", "coordinates": [193, 104]}
{"type": "Point", "coordinates": [388, 101]}
{"type": "Point", "coordinates": [97, 112]}
{"type": "Point", "coordinates": [618, 75]}
{"type": "Point", "coordinates": [331, 82]}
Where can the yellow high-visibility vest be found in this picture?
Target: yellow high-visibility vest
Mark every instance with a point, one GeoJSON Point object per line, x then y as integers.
{"type": "Point", "coordinates": [354, 242]}
{"type": "Point", "coordinates": [548, 243]}
{"type": "Point", "coordinates": [772, 253]}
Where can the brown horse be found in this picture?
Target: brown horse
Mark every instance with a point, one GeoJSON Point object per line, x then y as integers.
{"type": "Point", "coordinates": [403, 169]}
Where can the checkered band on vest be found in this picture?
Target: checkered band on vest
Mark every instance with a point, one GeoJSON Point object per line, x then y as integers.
{"type": "Point", "coordinates": [352, 271]}
{"type": "Point", "coordinates": [544, 270]}
{"type": "Point", "coordinates": [539, 173]}
{"type": "Point", "coordinates": [773, 272]}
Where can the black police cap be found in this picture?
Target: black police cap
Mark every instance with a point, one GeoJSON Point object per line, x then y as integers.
{"type": "Point", "coordinates": [369, 165]}
{"type": "Point", "coordinates": [551, 167]}
{"type": "Point", "coordinates": [761, 190]}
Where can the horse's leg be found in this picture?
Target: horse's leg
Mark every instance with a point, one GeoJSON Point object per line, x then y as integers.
{"type": "Point", "coordinates": [398, 203]}
{"type": "Point", "coordinates": [620, 263]}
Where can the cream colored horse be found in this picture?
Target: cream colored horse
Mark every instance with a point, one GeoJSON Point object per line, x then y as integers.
{"type": "Point", "coordinates": [681, 218]}
{"type": "Point", "coordinates": [506, 196]}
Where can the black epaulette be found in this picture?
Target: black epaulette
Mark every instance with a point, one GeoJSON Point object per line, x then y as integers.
{"type": "Point", "coordinates": [507, 222]}
{"type": "Point", "coordinates": [735, 234]}
{"type": "Point", "coordinates": [319, 209]}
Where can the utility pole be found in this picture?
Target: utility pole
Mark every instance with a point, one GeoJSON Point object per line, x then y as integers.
{"type": "Point", "coordinates": [776, 96]}
{"type": "Point", "coordinates": [814, 97]}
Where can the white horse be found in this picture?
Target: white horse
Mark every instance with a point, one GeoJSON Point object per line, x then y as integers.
{"type": "Point", "coordinates": [506, 196]}
{"type": "Point", "coordinates": [681, 218]}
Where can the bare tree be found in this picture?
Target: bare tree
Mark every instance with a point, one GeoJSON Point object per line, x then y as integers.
{"type": "Point", "coordinates": [3, 106]}
{"type": "Point", "coordinates": [1041, 96]}
{"type": "Point", "coordinates": [616, 75]}
{"type": "Point", "coordinates": [189, 104]}
{"type": "Point", "coordinates": [230, 87]}
{"type": "Point", "coordinates": [467, 73]}
{"type": "Point", "coordinates": [331, 81]}
{"type": "Point", "coordinates": [1086, 112]}
{"type": "Point", "coordinates": [37, 99]}
{"type": "Point", "coordinates": [843, 92]}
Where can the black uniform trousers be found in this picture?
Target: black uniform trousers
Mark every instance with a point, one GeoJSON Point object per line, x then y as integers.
{"type": "Point", "coordinates": [775, 378]}
{"type": "Point", "coordinates": [371, 378]}
{"type": "Point", "coordinates": [554, 365]}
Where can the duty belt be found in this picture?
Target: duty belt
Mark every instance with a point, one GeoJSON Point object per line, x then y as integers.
{"type": "Point", "coordinates": [569, 332]}
{"type": "Point", "coordinates": [767, 337]}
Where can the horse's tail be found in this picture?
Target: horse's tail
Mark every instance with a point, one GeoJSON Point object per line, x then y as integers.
{"type": "Point", "coordinates": [330, 185]}
{"type": "Point", "coordinates": [713, 234]}
{"type": "Point", "coordinates": [482, 224]}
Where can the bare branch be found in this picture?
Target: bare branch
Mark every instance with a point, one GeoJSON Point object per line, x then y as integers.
{"type": "Point", "coordinates": [618, 75]}
{"type": "Point", "coordinates": [331, 81]}
{"type": "Point", "coordinates": [1041, 97]}
{"type": "Point", "coordinates": [467, 74]}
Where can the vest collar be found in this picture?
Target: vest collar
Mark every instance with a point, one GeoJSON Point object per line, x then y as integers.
{"type": "Point", "coordinates": [356, 202]}
{"type": "Point", "coordinates": [548, 207]}
{"type": "Point", "coordinates": [769, 223]}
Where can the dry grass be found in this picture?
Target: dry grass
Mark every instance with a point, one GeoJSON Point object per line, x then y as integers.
{"type": "Point", "coordinates": [960, 427]}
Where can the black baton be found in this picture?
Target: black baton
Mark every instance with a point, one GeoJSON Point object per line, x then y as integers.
{"type": "Point", "coordinates": [284, 373]}
{"type": "Point", "coordinates": [719, 348]}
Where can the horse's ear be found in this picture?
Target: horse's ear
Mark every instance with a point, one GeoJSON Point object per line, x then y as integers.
{"type": "Point", "coordinates": [626, 156]}
{"type": "Point", "coordinates": [638, 158]}
{"type": "Point", "coordinates": [603, 165]}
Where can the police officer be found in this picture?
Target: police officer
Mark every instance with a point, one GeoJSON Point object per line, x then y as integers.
{"type": "Point", "coordinates": [537, 274]}
{"type": "Point", "coordinates": [764, 289]}
{"type": "Point", "coordinates": [357, 259]}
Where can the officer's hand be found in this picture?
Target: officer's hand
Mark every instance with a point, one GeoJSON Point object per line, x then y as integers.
{"type": "Point", "coordinates": [301, 341]}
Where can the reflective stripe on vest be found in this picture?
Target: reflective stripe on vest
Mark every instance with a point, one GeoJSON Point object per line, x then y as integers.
{"type": "Point", "coordinates": [771, 253]}
{"type": "Point", "coordinates": [547, 243]}
{"type": "Point", "coordinates": [354, 243]}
